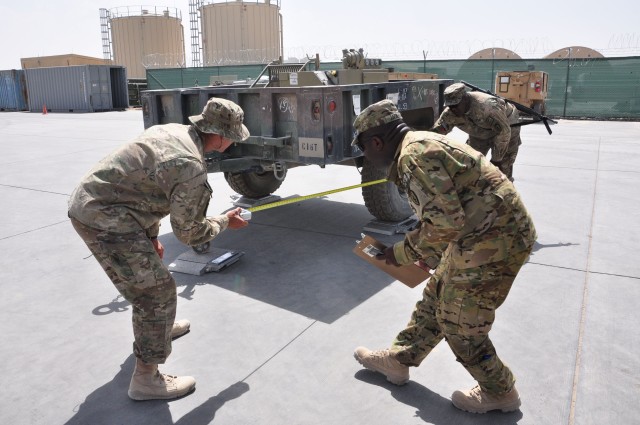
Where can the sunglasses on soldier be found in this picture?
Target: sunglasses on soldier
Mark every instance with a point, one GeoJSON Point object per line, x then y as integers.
{"type": "Point", "coordinates": [362, 139]}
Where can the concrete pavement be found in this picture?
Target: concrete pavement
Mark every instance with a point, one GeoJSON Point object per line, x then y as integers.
{"type": "Point", "coordinates": [272, 336]}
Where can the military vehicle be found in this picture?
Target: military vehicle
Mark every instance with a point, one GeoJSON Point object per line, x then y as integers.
{"type": "Point", "coordinates": [528, 88]}
{"type": "Point", "coordinates": [304, 116]}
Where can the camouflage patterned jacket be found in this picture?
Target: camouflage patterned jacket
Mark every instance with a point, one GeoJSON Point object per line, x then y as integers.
{"type": "Point", "coordinates": [464, 203]}
{"type": "Point", "coordinates": [162, 172]}
{"type": "Point", "coordinates": [488, 117]}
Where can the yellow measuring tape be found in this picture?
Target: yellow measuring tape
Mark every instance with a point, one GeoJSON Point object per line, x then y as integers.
{"type": "Point", "coordinates": [315, 195]}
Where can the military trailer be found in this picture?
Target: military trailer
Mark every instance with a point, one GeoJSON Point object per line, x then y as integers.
{"type": "Point", "coordinates": [526, 87]}
{"type": "Point", "coordinates": [303, 117]}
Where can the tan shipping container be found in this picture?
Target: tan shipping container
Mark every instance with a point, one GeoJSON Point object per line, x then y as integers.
{"type": "Point", "coordinates": [61, 60]}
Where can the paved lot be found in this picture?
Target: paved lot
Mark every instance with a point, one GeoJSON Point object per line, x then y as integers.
{"type": "Point", "coordinates": [273, 335]}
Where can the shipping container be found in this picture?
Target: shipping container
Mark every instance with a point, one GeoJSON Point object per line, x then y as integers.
{"type": "Point", "coordinates": [86, 88]}
{"type": "Point", "coordinates": [70, 59]}
{"type": "Point", "coordinates": [13, 90]}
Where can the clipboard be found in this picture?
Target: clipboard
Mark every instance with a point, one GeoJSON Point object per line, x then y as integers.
{"type": "Point", "coordinates": [411, 275]}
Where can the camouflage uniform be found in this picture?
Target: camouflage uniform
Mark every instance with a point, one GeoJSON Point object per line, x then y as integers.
{"type": "Point", "coordinates": [476, 233]}
{"type": "Point", "coordinates": [487, 122]}
{"type": "Point", "coordinates": [117, 208]}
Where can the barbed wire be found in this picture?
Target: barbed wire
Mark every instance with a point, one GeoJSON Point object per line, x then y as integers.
{"type": "Point", "coordinates": [620, 45]}
{"type": "Point", "coordinates": [624, 42]}
{"type": "Point", "coordinates": [239, 57]}
{"type": "Point", "coordinates": [163, 60]}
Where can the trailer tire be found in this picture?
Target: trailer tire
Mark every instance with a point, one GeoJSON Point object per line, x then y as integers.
{"type": "Point", "coordinates": [254, 184]}
{"type": "Point", "coordinates": [385, 201]}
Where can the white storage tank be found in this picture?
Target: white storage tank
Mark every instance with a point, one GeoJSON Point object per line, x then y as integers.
{"type": "Point", "coordinates": [146, 37]}
{"type": "Point", "coordinates": [241, 32]}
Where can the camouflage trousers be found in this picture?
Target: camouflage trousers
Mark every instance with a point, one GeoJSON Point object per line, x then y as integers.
{"type": "Point", "coordinates": [137, 271]}
{"type": "Point", "coordinates": [506, 163]}
{"type": "Point", "coordinates": [459, 305]}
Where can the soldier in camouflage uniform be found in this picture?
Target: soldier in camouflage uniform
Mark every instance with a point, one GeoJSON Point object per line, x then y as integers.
{"type": "Point", "coordinates": [474, 232]}
{"type": "Point", "coordinates": [117, 208]}
{"type": "Point", "coordinates": [487, 120]}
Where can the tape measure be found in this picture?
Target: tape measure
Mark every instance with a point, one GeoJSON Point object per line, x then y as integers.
{"type": "Point", "coordinates": [315, 195]}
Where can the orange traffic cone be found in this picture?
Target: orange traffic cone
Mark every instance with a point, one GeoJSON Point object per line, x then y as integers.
{"type": "Point", "coordinates": [44, 109]}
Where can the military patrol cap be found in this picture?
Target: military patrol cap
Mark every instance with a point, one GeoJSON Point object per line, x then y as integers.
{"type": "Point", "coordinates": [453, 94]}
{"type": "Point", "coordinates": [223, 117]}
{"type": "Point", "coordinates": [375, 115]}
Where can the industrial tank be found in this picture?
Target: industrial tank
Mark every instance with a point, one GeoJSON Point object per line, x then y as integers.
{"type": "Point", "coordinates": [574, 52]}
{"type": "Point", "coordinates": [239, 32]}
{"type": "Point", "coordinates": [146, 37]}
{"type": "Point", "coordinates": [495, 53]}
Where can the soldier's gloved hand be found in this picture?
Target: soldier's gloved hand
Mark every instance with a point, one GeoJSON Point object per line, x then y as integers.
{"type": "Point", "coordinates": [235, 221]}
{"type": "Point", "coordinates": [388, 257]}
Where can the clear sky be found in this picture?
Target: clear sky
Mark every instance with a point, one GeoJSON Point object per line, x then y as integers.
{"type": "Point", "coordinates": [387, 29]}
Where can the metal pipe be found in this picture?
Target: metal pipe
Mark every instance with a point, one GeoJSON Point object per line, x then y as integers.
{"type": "Point", "coordinates": [566, 87]}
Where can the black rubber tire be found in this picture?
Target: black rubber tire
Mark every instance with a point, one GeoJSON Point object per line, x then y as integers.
{"type": "Point", "coordinates": [253, 184]}
{"type": "Point", "coordinates": [385, 201]}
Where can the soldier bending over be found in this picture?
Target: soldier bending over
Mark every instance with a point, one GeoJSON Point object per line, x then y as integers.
{"type": "Point", "coordinates": [117, 208]}
{"type": "Point", "coordinates": [474, 232]}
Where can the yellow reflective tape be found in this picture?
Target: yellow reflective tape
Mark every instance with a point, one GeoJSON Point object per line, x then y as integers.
{"type": "Point", "coordinates": [315, 195]}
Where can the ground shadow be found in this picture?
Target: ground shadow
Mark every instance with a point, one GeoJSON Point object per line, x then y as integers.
{"type": "Point", "coordinates": [206, 412]}
{"type": "Point", "coordinates": [538, 246]}
{"type": "Point", "coordinates": [297, 257]}
{"type": "Point", "coordinates": [117, 305]}
{"type": "Point", "coordinates": [110, 404]}
{"type": "Point", "coordinates": [433, 408]}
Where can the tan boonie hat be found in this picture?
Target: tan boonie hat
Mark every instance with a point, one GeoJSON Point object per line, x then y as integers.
{"type": "Point", "coordinates": [223, 117]}
{"type": "Point", "coordinates": [453, 94]}
{"type": "Point", "coordinates": [375, 115]}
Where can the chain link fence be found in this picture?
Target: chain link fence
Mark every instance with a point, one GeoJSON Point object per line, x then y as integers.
{"type": "Point", "coordinates": [594, 88]}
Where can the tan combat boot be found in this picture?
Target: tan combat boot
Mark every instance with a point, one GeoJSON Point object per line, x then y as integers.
{"type": "Point", "coordinates": [180, 328]}
{"type": "Point", "coordinates": [382, 361]}
{"type": "Point", "coordinates": [147, 383]}
{"type": "Point", "coordinates": [478, 401]}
